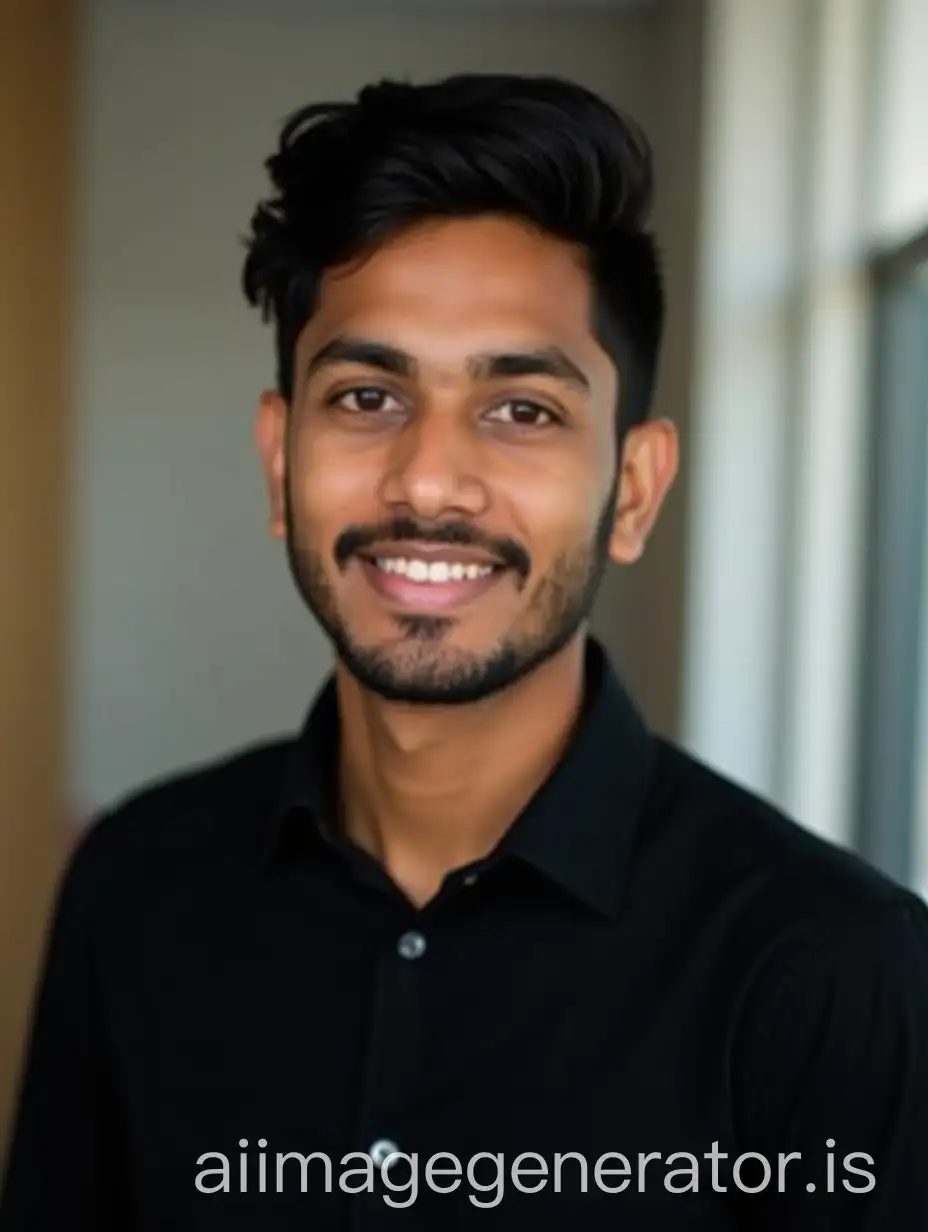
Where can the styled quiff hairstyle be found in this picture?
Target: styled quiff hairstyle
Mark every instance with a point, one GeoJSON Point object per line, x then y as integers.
{"type": "Point", "coordinates": [346, 176]}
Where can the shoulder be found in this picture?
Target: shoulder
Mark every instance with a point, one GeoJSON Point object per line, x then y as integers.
{"type": "Point", "coordinates": [786, 917]}
{"type": "Point", "coordinates": [742, 846]}
{"type": "Point", "coordinates": [809, 927]}
{"type": "Point", "coordinates": [204, 812]}
{"type": "Point", "coordinates": [825, 958]}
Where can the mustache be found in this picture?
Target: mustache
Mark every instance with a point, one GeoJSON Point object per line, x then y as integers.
{"type": "Point", "coordinates": [357, 539]}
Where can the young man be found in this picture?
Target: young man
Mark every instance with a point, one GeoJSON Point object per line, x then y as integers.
{"type": "Point", "coordinates": [475, 946]}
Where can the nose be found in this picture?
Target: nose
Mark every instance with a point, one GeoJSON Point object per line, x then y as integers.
{"type": "Point", "coordinates": [434, 470]}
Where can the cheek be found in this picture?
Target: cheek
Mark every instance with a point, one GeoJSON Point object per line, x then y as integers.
{"type": "Point", "coordinates": [331, 490]}
{"type": "Point", "coordinates": [559, 514]}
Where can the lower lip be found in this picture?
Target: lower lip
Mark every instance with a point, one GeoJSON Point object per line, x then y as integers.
{"type": "Point", "coordinates": [426, 596]}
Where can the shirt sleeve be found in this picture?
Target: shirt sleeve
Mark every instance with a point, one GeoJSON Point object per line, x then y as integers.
{"type": "Point", "coordinates": [64, 1167]}
{"type": "Point", "coordinates": [832, 1067]}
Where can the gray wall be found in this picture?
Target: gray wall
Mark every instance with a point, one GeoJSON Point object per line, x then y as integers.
{"type": "Point", "coordinates": [188, 638]}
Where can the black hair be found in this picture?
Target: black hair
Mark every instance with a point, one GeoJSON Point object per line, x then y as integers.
{"type": "Point", "coordinates": [538, 149]}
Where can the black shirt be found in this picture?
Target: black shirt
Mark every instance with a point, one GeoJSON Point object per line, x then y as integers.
{"type": "Point", "coordinates": [654, 962]}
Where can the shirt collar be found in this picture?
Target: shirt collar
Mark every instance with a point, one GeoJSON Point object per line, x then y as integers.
{"type": "Point", "coordinates": [577, 830]}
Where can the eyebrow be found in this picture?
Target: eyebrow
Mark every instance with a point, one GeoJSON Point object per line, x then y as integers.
{"type": "Point", "coordinates": [549, 361]}
{"type": "Point", "coordinates": [362, 351]}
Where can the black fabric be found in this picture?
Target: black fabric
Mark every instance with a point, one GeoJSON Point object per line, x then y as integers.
{"type": "Point", "coordinates": [654, 961]}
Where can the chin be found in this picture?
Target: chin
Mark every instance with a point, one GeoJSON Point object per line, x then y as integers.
{"type": "Point", "coordinates": [428, 671]}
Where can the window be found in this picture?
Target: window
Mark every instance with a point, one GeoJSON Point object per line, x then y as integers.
{"type": "Point", "coordinates": [893, 761]}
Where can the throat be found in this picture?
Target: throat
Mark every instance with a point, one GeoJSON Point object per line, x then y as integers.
{"type": "Point", "coordinates": [421, 835]}
{"type": "Point", "coordinates": [426, 790]}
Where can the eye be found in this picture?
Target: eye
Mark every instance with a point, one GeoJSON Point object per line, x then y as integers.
{"type": "Point", "coordinates": [365, 399]}
{"type": "Point", "coordinates": [522, 413]}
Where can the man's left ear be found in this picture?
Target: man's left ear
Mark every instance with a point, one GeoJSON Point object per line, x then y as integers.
{"type": "Point", "coordinates": [650, 460]}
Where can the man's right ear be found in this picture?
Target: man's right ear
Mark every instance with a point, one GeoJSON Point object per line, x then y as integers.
{"type": "Point", "coordinates": [271, 440]}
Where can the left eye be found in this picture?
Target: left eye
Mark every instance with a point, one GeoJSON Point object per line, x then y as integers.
{"type": "Point", "coordinates": [367, 399]}
{"type": "Point", "coordinates": [523, 414]}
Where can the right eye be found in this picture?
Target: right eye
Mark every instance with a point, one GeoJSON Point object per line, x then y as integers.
{"type": "Point", "coordinates": [365, 400]}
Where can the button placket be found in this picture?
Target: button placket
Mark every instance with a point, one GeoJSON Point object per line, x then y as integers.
{"type": "Point", "coordinates": [393, 1062]}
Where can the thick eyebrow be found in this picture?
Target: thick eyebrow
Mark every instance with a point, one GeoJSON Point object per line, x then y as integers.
{"type": "Point", "coordinates": [362, 351]}
{"type": "Point", "coordinates": [548, 361]}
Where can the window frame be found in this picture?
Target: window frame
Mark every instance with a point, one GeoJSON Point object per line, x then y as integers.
{"type": "Point", "coordinates": [894, 566]}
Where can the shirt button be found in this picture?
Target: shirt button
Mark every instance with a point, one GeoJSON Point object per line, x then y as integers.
{"type": "Point", "coordinates": [471, 879]}
{"type": "Point", "coordinates": [382, 1149]}
{"type": "Point", "coordinates": [411, 945]}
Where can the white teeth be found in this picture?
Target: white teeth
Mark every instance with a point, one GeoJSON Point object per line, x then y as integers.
{"type": "Point", "coordinates": [434, 571]}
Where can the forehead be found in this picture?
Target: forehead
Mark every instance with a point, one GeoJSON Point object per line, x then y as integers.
{"type": "Point", "coordinates": [451, 287]}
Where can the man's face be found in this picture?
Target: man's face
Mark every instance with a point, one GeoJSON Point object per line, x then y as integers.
{"type": "Point", "coordinates": [447, 474]}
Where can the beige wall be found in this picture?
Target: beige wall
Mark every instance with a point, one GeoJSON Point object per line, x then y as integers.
{"type": "Point", "coordinates": [642, 612]}
{"type": "Point", "coordinates": [36, 106]}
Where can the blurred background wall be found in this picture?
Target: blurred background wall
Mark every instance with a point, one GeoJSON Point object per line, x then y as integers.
{"type": "Point", "coordinates": [777, 623]}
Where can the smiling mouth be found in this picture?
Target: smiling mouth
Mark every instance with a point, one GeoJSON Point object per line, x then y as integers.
{"type": "Point", "coordinates": [435, 571]}
{"type": "Point", "coordinates": [433, 581]}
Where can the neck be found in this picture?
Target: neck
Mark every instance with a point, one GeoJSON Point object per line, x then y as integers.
{"type": "Point", "coordinates": [410, 790]}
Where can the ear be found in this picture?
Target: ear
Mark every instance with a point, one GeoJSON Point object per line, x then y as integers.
{"type": "Point", "coordinates": [271, 440]}
{"type": "Point", "coordinates": [650, 460]}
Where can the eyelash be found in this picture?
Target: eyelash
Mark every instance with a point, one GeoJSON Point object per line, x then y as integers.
{"type": "Point", "coordinates": [552, 417]}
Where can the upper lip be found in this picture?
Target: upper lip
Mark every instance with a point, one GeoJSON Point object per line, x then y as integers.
{"type": "Point", "coordinates": [451, 553]}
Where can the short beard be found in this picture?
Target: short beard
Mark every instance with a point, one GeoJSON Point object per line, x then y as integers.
{"type": "Point", "coordinates": [413, 668]}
